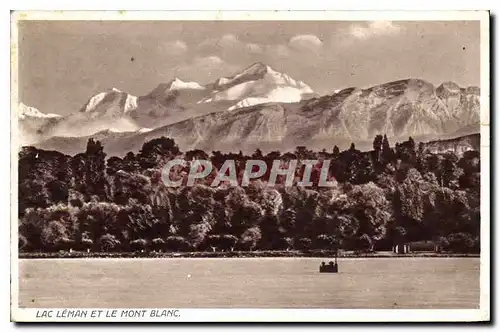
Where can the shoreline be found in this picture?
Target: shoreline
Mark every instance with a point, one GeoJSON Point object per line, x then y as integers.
{"type": "Point", "coordinates": [237, 254]}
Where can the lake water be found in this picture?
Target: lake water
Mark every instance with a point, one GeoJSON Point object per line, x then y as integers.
{"type": "Point", "coordinates": [249, 283]}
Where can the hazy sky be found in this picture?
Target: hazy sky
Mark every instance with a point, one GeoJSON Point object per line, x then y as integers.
{"type": "Point", "coordinates": [62, 63]}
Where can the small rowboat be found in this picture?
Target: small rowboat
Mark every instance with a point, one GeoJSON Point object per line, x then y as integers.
{"type": "Point", "coordinates": [331, 267]}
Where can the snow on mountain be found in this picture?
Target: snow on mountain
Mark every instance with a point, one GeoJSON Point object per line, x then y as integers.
{"type": "Point", "coordinates": [258, 84]}
{"type": "Point", "coordinates": [94, 101]}
{"type": "Point", "coordinates": [280, 94]}
{"type": "Point", "coordinates": [116, 130]}
{"type": "Point", "coordinates": [111, 102]}
{"type": "Point", "coordinates": [121, 111]}
{"type": "Point", "coordinates": [144, 130]}
{"type": "Point", "coordinates": [109, 109]}
{"type": "Point", "coordinates": [178, 100]}
{"type": "Point", "coordinates": [260, 71]}
{"type": "Point", "coordinates": [178, 84]}
{"type": "Point", "coordinates": [124, 131]}
{"type": "Point", "coordinates": [261, 107]}
{"type": "Point", "coordinates": [130, 103]}
{"type": "Point", "coordinates": [31, 112]}
{"type": "Point", "coordinates": [399, 109]}
{"type": "Point", "coordinates": [115, 102]}
{"type": "Point", "coordinates": [31, 120]}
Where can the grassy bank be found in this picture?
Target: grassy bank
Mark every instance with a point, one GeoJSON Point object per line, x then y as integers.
{"type": "Point", "coordinates": [240, 254]}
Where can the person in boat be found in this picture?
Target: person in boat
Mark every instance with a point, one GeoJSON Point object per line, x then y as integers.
{"type": "Point", "coordinates": [323, 264]}
{"type": "Point", "coordinates": [330, 264]}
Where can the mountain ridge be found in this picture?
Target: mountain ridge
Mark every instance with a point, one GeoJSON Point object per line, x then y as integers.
{"type": "Point", "coordinates": [175, 101]}
{"type": "Point", "coordinates": [261, 107]}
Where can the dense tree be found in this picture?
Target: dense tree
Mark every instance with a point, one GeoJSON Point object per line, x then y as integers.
{"type": "Point", "coordinates": [380, 198]}
{"type": "Point", "coordinates": [109, 242]}
{"type": "Point", "coordinates": [89, 170]}
{"type": "Point", "coordinates": [98, 219]}
{"type": "Point", "coordinates": [451, 171]}
{"type": "Point", "coordinates": [138, 245]}
{"type": "Point", "coordinates": [370, 207]}
{"type": "Point", "coordinates": [23, 243]}
{"type": "Point", "coordinates": [136, 221]}
{"type": "Point", "coordinates": [328, 242]}
{"type": "Point", "coordinates": [387, 152]}
{"type": "Point", "coordinates": [406, 151]}
{"type": "Point", "coordinates": [156, 152]}
{"type": "Point", "coordinates": [461, 242]}
{"type": "Point", "coordinates": [224, 242]}
{"type": "Point", "coordinates": [304, 243]}
{"type": "Point", "coordinates": [336, 151]}
{"type": "Point", "coordinates": [176, 243]}
{"type": "Point", "coordinates": [377, 143]}
{"type": "Point", "coordinates": [377, 147]}
{"type": "Point", "coordinates": [86, 242]}
{"type": "Point", "coordinates": [55, 236]}
{"type": "Point", "coordinates": [250, 238]}
{"type": "Point", "coordinates": [158, 244]}
{"type": "Point", "coordinates": [197, 234]}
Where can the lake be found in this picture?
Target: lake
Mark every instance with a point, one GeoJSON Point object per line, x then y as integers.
{"type": "Point", "coordinates": [362, 283]}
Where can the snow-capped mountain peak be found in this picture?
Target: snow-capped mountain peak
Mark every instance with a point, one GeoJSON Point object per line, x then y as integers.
{"type": "Point", "coordinates": [258, 84]}
{"type": "Point", "coordinates": [178, 84]}
{"type": "Point", "coordinates": [262, 113]}
{"type": "Point", "coordinates": [31, 112]}
{"type": "Point", "coordinates": [94, 101]}
{"type": "Point", "coordinates": [111, 98]}
{"type": "Point", "coordinates": [252, 73]}
{"type": "Point", "coordinates": [257, 69]}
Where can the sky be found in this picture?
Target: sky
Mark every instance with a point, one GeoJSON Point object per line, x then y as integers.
{"type": "Point", "coordinates": [64, 63]}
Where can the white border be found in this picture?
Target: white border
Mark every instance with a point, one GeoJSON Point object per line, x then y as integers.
{"type": "Point", "coordinates": [282, 315]}
{"type": "Point", "coordinates": [269, 315]}
{"type": "Point", "coordinates": [237, 15]}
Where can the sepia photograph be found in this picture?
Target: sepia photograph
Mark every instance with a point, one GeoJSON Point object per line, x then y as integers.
{"type": "Point", "coordinates": [245, 166]}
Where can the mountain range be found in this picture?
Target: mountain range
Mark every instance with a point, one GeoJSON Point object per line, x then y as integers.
{"type": "Point", "coordinates": [258, 108]}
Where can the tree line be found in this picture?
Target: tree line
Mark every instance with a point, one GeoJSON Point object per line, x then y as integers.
{"type": "Point", "coordinates": [382, 197]}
